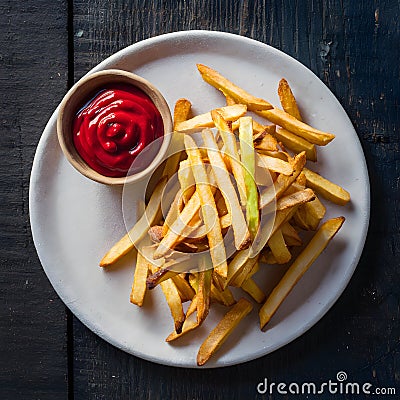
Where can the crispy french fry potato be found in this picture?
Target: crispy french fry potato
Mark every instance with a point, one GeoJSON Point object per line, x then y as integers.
{"type": "Point", "coordinates": [274, 164]}
{"type": "Point", "coordinates": [251, 288]}
{"type": "Point", "coordinates": [186, 180]}
{"type": "Point", "coordinates": [229, 113]}
{"type": "Point", "coordinates": [296, 143]}
{"type": "Point", "coordinates": [228, 88]}
{"type": "Point", "coordinates": [181, 113]}
{"type": "Point", "coordinates": [231, 151]}
{"type": "Point", "coordinates": [313, 212]}
{"type": "Point", "coordinates": [278, 247]}
{"type": "Point", "coordinates": [139, 282]}
{"type": "Point", "coordinates": [290, 235]}
{"type": "Point", "coordinates": [230, 101]}
{"type": "Point", "coordinates": [249, 268]}
{"type": "Point", "coordinates": [221, 174]}
{"type": "Point", "coordinates": [290, 123]}
{"type": "Point", "coordinates": [296, 198]}
{"type": "Point", "coordinates": [247, 155]}
{"type": "Point", "coordinates": [209, 209]}
{"type": "Point", "coordinates": [224, 297]}
{"type": "Point", "coordinates": [223, 329]}
{"type": "Point", "coordinates": [203, 295]}
{"type": "Point", "coordinates": [283, 182]}
{"type": "Point", "coordinates": [138, 232]}
{"type": "Point", "coordinates": [298, 268]}
{"type": "Point", "coordinates": [287, 99]}
{"type": "Point", "coordinates": [266, 142]}
{"type": "Point", "coordinates": [326, 188]}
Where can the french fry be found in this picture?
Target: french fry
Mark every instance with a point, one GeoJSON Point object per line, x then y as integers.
{"type": "Point", "coordinates": [298, 268]}
{"type": "Point", "coordinates": [230, 101]}
{"type": "Point", "coordinates": [236, 265]}
{"type": "Point", "coordinates": [185, 290]}
{"type": "Point", "coordinates": [173, 299]}
{"type": "Point", "coordinates": [247, 155]}
{"type": "Point", "coordinates": [287, 99]}
{"type": "Point", "coordinates": [228, 88]}
{"type": "Point", "coordinates": [249, 268]}
{"type": "Point", "coordinates": [313, 212]}
{"type": "Point", "coordinates": [278, 247]}
{"type": "Point", "coordinates": [251, 288]}
{"type": "Point", "coordinates": [326, 188]}
{"type": "Point", "coordinates": [138, 232]}
{"type": "Point", "coordinates": [286, 121]}
{"type": "Point", "coordinates": [209, 209]}
{"type": "Point", "coordinates": [296, 198]}
{"type": "Point", "coordinates": [231, 151]}
{"type": "Point", "coordinates": [296, 143]}
{"type": "Point", "coordinates": [224, 297]}
{"type": "Point", "coordinates": [203, 295]}
{"type": "Point", "coordinates": [189, 325]}
{"type": "Point", "coordinates": [139, 282]}
{"type": "Point", "coordinates": [274, 164]}
{"type": "Point", "coordinates": [266, 142]}
{"type": "Point", "coordinates": [186, 180]}
{"type": "Point", "coordinates": [223, 329]}
{"type": "Point", "coordinates": [282, 182]}
{"type": "Point", "coordinates": [240, 231]}
{"type": "Point", "coordinates": [174, 234]}
{"type": "Point", "coordinates": [290, 235]}
{"type": "Point", "coordinates": [229, 113]}
{"type": "Point", "coordinates": [181, 113]}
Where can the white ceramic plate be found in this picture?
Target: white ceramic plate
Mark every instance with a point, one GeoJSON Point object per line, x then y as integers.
{"type": "Point", "coordinates": [74, 221]}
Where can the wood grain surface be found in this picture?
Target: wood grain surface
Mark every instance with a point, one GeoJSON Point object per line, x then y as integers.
{"type": "Point", "coordinates": [353, 46]}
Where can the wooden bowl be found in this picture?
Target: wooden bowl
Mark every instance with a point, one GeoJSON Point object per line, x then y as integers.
{"type": "Point", "coordinates": [79, 95]}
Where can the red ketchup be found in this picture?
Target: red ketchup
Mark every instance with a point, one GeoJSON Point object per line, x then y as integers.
{"type": "Point", "coordinates": [114, 127]}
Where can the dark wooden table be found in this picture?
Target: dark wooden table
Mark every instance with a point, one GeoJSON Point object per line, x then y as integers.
{"type": "Point", "coordinates": [45, 46]}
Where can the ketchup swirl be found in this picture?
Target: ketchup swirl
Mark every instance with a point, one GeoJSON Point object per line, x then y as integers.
{"type": "Point", "coordinates": [114, 127]}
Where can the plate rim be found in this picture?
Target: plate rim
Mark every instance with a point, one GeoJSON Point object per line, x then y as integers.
{"type": "Point", "coordinates": [112, 59]}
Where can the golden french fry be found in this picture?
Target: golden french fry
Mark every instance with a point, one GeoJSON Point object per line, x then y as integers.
{"type": "Point", "coordinates": [185, 290]}
{"type": "Point", "coordinates": [186, 180]}
{"type": "Point", "coordinates": [283, 182]}
{"type": "Point", "coordinates": [223, 329]}
{"type": "Point", "coordinates": [138, 232]}
{"type": "Point", "coordinates": [296, 198]}
{"type": "Point", "coordinates": [203, 295]}
{"type": "Point", "coordinates": [139, 282]}
{"type": "Point", "coordinates": [247, 156]}
{"type": "Point", "coordinates": [297, 269]}
{"type": "Point", "coordinates": [326, 188]}
{"type": "Point", "coordinates": [181, 114]}
{"type": "Point", "coordinates": [286, 121]}
{"type": "Point", "coordinates": [224, 297]}
{"type": "Point", "coordinates": [312, 213]}
{"type": "Point", "coordinates": [230, 101]}
{"type": "Point", "coordinates": [274, 164]}
{"type": "Point", "coordinates": [229, 113]}
{"type": "Point", "coordinates": [174, 234]}
{"type": "Point", "coordinates": [266, 143]}
{"type": "Point", "coordinates": [251, 287]}
{"type": "Point", "coordinates": [231, 151]}
{"type": "Point", "coordinates": [278, 247]}
{"type": "Point", "coordinates": [290, 235]}
{"type": "Point", "coordinates": [189, 325]}
{"type": "Point", "coordinates": [221, 174]}
{"type": "Point", "coordinates": [181, 111]}
{"type": "Point", "coordinates": [249, 268]}
{"type": "Point", "coordinates": [228, 88]}
{"type": "Point", "coordinates": [296, 143]}
{"type": "Point", "coordinates": [209, 209]}
{"type": "Point", "coordinates": [236, 265]}
{"type": "Point", "coordinates": [287, 99]}
{"type": "Point", "coordinates": [173, 299]}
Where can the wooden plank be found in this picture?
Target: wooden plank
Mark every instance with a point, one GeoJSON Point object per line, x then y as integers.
{"type": "Point", "coordinates": [356, 54]}
{"type": "Point", "coordinates": [33, 79]}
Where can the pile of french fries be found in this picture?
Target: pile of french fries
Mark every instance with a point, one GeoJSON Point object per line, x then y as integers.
{"type": "Point", "coordinates": [211, 239]}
